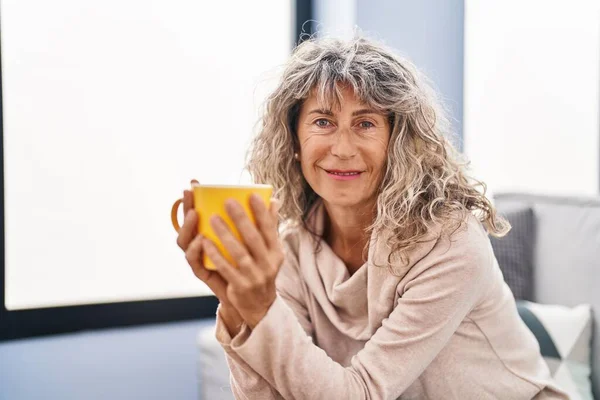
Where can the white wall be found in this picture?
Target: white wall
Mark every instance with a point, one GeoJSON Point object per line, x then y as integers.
{"type": "Point", "coordinates": [532, 80]}
{"type": "Point", "coordinates": [110, 107]}
{"type": "Point", "coordinates": [428, 32]}
{"type": "Point", "coordinates": [335, 17]}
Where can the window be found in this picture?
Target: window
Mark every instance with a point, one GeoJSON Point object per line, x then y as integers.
{"type": "Point", "coordinates": [109, 108]}
{"type": "Point", "coordinates": [532, 79]}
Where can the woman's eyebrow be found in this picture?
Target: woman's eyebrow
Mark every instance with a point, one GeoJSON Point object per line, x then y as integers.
{"type": "Point", "coordinates": [354, 114]}
{"type": "Point", "coordinates": [321, 111]}
{"type": "Point", "coordinates": [364, 111]}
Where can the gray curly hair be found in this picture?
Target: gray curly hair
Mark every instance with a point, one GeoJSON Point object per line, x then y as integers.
{"type": "Point", "coordinates": [425, 182]}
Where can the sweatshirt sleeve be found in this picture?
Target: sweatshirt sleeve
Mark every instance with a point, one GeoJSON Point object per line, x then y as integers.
{"type": "Point", "coordinates": [245, 382]}
{"type": "Point", "coordinates": [433, 305]}
{"type": "Point", "coordinates": [292, 289]}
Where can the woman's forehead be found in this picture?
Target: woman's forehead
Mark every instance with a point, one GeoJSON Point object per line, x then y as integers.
{"type": "Point", "coordinates": [333, 98]}
{"type": "Point", "coordinates": [332, 103]}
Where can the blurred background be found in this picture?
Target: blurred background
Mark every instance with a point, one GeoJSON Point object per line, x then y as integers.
{"type": "Point", "coordinates": [110, 108]}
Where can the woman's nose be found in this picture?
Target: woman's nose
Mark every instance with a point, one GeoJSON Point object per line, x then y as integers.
{"type": "Point", "coordinates": [342, 145]}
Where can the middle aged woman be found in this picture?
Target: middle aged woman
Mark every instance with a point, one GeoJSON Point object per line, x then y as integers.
{"type": "Point", "coordinates": [383, 283]}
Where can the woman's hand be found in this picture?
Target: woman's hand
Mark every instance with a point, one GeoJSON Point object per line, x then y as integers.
{"type": "Point", "coordinates": [250, 286]}
{"type": "Point", "coordinates": [191, 243]}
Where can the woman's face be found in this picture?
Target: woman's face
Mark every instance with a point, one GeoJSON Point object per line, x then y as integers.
{"type": "Point", "coordinates": [343, 151]}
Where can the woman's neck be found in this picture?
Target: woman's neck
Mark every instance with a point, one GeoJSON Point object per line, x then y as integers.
{"type": "Point", "coordinates": [345, 233]}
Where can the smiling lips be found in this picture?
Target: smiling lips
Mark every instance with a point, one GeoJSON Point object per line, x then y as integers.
{"type": "Point", "coordinates": [343, 175]}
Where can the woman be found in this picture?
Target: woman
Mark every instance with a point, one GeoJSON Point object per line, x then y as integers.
{"type": "Point", "coordinates": [383, 282]}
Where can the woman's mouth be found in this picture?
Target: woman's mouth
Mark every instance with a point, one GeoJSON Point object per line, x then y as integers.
{"type": "Point", "coordinates": [343, 175]}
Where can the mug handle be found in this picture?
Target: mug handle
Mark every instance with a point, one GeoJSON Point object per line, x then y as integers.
{"type": "Point", "coordinates": [174, 210]}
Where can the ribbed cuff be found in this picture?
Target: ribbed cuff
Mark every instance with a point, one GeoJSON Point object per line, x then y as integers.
{"type": "Point", "coordinates": [222, 334]}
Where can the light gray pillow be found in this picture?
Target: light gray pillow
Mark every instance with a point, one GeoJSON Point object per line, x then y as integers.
{"type": "Point", "coordinates": [565, 337]}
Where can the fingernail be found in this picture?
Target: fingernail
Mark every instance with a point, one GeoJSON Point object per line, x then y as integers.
{"type": "Point", "coordinates": [230, 204]}
{"type": "Point", "coordinates": [255, 199]}
{"type": "Point", "coordinates": [215, 220]}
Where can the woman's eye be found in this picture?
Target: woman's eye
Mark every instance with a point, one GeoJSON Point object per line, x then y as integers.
{"type": "Point", "coordinates": [322, 123]}
{"type": "Point", "coordinates": [366, 124]}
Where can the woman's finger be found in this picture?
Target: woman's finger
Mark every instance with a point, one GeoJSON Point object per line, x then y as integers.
{"type": "Point", "coordinates": [188, 201]}
{"type": "Point", "coordinates": [250, 234]}
{"type": "Point", "coordinates": [188, 198]}
{"type": "Point", "coordinates": [216, 284]}
{"type": "Point", "coordinates": [266, 221]}
{"type": "Point", "coordinates": [188, 231]}
{"type": "Point", "coordinates": [214, 281]}
{"type": "Point", "coordinates": [193, 255]}
{"type": "Point", "coordinates": [236, 250]}
{"type": "Point", "coordinates": [228, 272]}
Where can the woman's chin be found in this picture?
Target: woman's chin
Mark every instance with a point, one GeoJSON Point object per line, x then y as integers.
{"type": "Point", "coordinates": [345, 200]}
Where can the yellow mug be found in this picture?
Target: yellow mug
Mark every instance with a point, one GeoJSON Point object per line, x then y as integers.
{"type": "Point", "coordinates": [210, 200]}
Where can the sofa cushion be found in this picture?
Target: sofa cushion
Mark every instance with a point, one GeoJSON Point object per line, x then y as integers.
{"type": "Point", "coordinates": [566, 258]}
{"type": "Point", "coordinates": [564, 335]}
{"type": "Point", "coordinates": [213, 369]}
{"type": "Point", "coordinates": [514, 252]}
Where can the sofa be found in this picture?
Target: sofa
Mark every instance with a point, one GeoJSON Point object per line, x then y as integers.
{"type": "Point", "coordinates": [565, 270]}
{"type": "Point", "coordinates": [565, 256]}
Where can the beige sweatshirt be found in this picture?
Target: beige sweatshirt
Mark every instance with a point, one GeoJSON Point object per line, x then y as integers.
{"type": "Point", "coordinates": [444, 327]}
